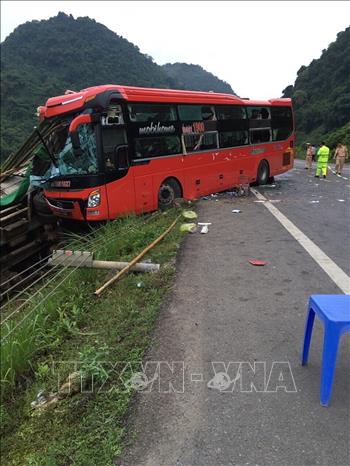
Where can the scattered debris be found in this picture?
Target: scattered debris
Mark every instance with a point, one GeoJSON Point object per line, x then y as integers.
{"type": "Point", "coordinates": [268, 186]}
{"type": "Point", "coordinates": [40, 400]}
{"type": "Point", "coordinates": [74, 383]}
{"type": "Point", "coordinates": [341, 200]}
{"type": "Point", "coordinates": [314, 202]}
{"type": "Point", "coordinates": [204, 226]}
{"type": "Point", "coordinates": [236, 211]}
{"type": "Point", "coordinates": [188, 228]}
{"type": "Point", "coordinates": [257, 262]}
{"type": "Point", "coordinates": [140, 285]}
{"type": "Point", "coordinates": [242, 190]}
{"type": "Point", "coordinates": [222, 381]}
{"type": "Point", "coordinates": [189, 214]}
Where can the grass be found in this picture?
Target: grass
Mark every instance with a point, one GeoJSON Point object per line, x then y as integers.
{"type": "Point", "coordinates": [72, 330]}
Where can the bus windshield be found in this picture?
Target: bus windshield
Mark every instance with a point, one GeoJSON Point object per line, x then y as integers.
{"type": "Point", "coordinates": [68, 163]}
{"type": "Point", "coordinates": [60, 146]}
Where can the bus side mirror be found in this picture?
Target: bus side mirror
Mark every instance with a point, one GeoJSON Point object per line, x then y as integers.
{"type": "Point", "coordinates": [73, 131]}
{"type": "Point", "coordinates": [121, 156]}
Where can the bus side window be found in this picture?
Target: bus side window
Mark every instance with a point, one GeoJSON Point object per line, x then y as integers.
{"type": "Point", "coordinates": [230, 112]}
{"type": "Point", "coordinates": [281, 122]}
{"type": "Point", "coordinates": [151, 112]}
{"type": "Point", "coordinates": [258, 113]}
{"type": "Point", "coordinates": [201, 141]}
{"type": "Point", "coordinates": [258, 136]}
{"type": "Point", "coordinates": [157, 146]}
{"type": "Point", "coordinates": [233, 138]}
{"type": "Point", "coordinates": [196, 112]}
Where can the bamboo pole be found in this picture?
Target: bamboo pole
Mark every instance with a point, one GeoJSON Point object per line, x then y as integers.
{"type": "Point", "coordinates": [108, 265]}
{"type": "Point", "coordinates": [136, 259]}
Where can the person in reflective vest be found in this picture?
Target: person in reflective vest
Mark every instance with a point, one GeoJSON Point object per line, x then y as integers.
{"type": "Point", "coordinates": [322, 160]}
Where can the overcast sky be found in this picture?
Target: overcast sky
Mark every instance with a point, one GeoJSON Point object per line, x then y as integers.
{"type": "Point", "coordinates": [256, 46]}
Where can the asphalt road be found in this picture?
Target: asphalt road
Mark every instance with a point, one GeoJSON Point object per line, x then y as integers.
{"type": "Point", "coordinates": [224, 314]}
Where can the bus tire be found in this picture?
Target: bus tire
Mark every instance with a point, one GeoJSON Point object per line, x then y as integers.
{"type": "Point", "coordinates": [263, 173]}
{"type": "Point", "coordinates": [169, 190]}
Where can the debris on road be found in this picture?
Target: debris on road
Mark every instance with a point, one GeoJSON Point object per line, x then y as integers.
{"type": "Point", "coordinates": [236, 211]}
{"type": "Point", "coordinates": [341, 200]}
{"type": "Point", "coordinates": [204, 226]}
{"type": "Point", "coordinates": [189, 214]}
{"type": "Point", "coordinates": [188, 228]}
{"type": "Point", "coordinates": [314, 202]}
{"type": "Point", "coordinates": [257, 262]}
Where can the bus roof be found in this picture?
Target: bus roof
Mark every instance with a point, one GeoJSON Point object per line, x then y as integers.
{"type": "Point", "coordinates": [93, 96]}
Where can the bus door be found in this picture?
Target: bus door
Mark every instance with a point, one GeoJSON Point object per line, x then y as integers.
{"type": "Point", "coordinates": [144, 191]}
{"type": "Point", "coordinates": [119, 181]}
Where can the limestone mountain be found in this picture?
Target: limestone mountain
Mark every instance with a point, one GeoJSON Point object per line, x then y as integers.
{"type": "Point", "coordinates": [41, 59]}
{"type": "Point", "coordinates": [321, 95]}
{"type": "Point", "coordinates": [194, 77]}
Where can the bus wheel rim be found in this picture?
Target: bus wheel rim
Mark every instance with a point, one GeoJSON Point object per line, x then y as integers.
{"type": "Point", "coordinates": [166, 195]}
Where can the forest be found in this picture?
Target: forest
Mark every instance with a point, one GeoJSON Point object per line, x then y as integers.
{"type": "Point", "coordinates": [41, 59]}
{"type": "Point", "coordinates": [321, 95]}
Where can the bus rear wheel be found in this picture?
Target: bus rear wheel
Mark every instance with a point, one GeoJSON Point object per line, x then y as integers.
{"type": "Point", "coordinates": [263, 173]}
{"type": "Point", "coordinates": [169, 191]}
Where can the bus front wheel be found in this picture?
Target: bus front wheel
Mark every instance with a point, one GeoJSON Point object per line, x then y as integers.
{"type": "Point", "coordinates": [168, 192]}
{"type": "Point", "coordinates": [263, 173]}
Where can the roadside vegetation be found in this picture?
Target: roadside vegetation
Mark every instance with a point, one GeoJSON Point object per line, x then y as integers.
{"type": "Point", "coordinates": [68, 329]}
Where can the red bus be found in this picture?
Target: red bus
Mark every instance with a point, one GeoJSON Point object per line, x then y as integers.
{"type": "Point", "coordinates": [120, 149]}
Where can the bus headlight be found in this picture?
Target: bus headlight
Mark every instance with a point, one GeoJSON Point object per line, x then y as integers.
{"type": "Point", "coordinates": [94, 199]}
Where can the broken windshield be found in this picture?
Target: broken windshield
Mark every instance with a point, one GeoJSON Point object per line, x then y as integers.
{"type": "Point", "coordinates": [67, 163]}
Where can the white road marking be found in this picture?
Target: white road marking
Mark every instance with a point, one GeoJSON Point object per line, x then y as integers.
{"type": "Point", "coordinates": [339, 277]}
{"type": "Point", "coordinates": [333, 171]}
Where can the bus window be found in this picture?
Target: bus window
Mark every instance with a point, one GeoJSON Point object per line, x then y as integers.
{"type": "Point", "coordinates": [282, 123]}
{"type": "Point", "coordinates": [200, 141]}
{"type": "Point", "coordinates": [231, 112]}
{"type": "Point", "coordinates": [258, 113]}
{"type": "Point", "coordinates": [280, 134]}
{"type": "Point", "coordinates": [157, 147]}
{"type": "Point", "coordinates": [233, 138]}
{"type": "Point", "coordinates": [196, 112]}
{"type": "Point", "coordinates": [151, 112]}
{"type": "Point", "coordinates": [260, 135]}
{"type": "Point", "coordinates": [112, 138]}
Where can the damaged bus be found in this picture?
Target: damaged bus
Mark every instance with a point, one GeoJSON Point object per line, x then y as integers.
{"type": "Point", "coordinates": [115, 150]}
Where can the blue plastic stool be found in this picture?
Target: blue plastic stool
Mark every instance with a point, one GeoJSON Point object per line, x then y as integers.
{"type": "Point", "coordinates": [334, 312]}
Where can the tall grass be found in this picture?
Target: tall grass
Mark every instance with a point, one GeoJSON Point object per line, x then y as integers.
{"type": "Point", "coordinates": [58, 310]}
